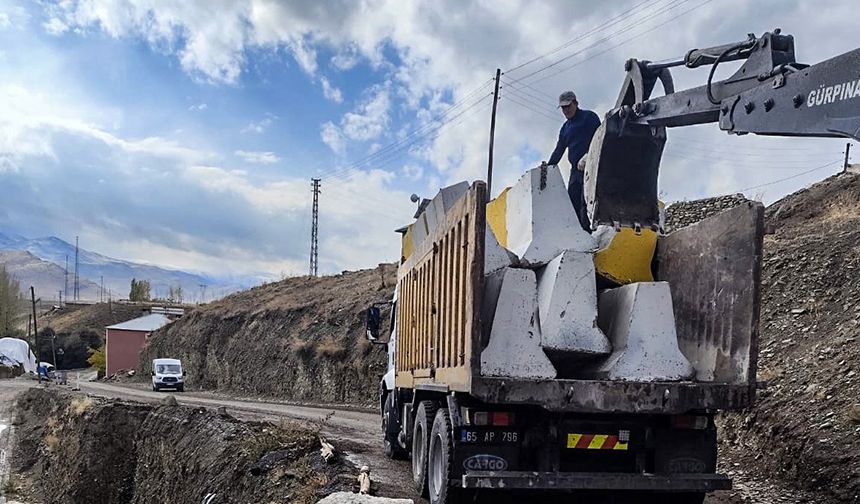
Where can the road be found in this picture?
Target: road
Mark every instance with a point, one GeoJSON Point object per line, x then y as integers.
{"type": "Point", "coordinates": [354, 431]}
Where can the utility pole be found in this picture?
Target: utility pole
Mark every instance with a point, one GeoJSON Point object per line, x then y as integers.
{"type": "Point", "coordinates": [314, 266]}
{"type": "Point", "coordinates": [36, 334]}
{"type": "Point", "coordinates": [847, 153]}
{"type": "Point", "coordinates": [77, 264]}
{"type": "Point", "coordinates": [66, 279]}
{"type": "Point", "coordinates": [493, 135]}
{"type": "Point", "coordinates": [101, 291]}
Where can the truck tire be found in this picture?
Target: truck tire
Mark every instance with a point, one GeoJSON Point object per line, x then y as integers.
{"type": "Point", "coordinates": [424, 417]}
{"type": "Point", "coordinates": [440, 472]}
{"type": "Point", "coordinates": [390, 446]}
{"type": "Point", "coordinates": [678, 498]}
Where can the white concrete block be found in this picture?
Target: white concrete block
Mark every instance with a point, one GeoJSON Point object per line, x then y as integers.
{"type": "Point", "coordinates": [541, 221]}
{"type": "Point", "coordinates": [435, 211]}
{"type": "Point", "coordinates": [496, 257]}
{"type": "Point", "coordinates": [567, 304]}
{"type": "Point", "coordinates": [514, 348]}
{"type": "Point", "coordinates": [640, 324]}
{"type": "Point", "coordinates": [351, 498]}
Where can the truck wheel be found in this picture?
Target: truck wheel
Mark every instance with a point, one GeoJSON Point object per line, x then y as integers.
{"type": "Point", "coordinates": [420, 442]}
{"type": "Point", "coordinates": [391, 447]}
{"type": "Point", "coordinates": [180, 388]}
{"type": "Point", "coordinates": [441, 462]}
{"type": "Point", "coordinates": [678, 498]}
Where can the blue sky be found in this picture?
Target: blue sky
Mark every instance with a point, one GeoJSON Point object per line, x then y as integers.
{"type": "Point", "coordinates": [185, 133]}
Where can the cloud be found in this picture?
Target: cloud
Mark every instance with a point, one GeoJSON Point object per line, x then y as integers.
{"type": "Point", "coordinates": [198, 108]}
{"type": "Point", "coordinates": [5, 21]}
{"type": "Point", "coordinates": [370, 118]}
{"type": "Point", "coordinates": [259, 126]}
{"type": "Point", "coordinates": [258, 157]}
{"type": "Point", "coordinates": [331, 136]}
{"type": "Point", "coordinates": [330, 92]}
{"type": "Point", "coordinates": [55, 27]}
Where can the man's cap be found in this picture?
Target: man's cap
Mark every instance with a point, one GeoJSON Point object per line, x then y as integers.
{"type": "Point", "coordinates": [566, 98]}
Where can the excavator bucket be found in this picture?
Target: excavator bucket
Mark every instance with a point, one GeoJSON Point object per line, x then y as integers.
{"type": "Point", "coordinates": [621, 174]}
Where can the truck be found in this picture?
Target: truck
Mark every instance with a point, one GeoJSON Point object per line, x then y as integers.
{"type": "Point", "coordinates": [524, 360]}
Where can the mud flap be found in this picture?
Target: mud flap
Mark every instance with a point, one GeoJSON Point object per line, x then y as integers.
{"type": "Point", "coordinates": [621, 174]}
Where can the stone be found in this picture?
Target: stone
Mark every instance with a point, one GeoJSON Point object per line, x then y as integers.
{"type": "Point", "coordinates": [514, 348]}
{"type": "Point", "coordinates": [540, 220]}
{"type": "Point", "coordinates": [169, 401]}
{"type": "Point", "coordinates": [567, 305]}
{"type": "Point", "coordinates": [351, 498]}
{"type": "Point", "coordinates": [638, 320]}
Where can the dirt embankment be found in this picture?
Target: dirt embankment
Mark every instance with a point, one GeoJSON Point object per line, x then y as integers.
{"type": "Point", "coordinates": [76, 449]}
{"type": "Point", "coordinates": [299, 339]}
{"type": "Point", "coordinates": [805, 427]}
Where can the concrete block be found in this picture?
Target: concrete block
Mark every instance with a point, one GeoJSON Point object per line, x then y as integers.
{"type": "Point", "coordinates": [640, 324]}
{"type": "Point", "coordinates": [351, 498]}
{"type": "Point", "coordinates": [567, 304]}
{"type": "Point", "coordinates": [540, 219]}
{"type": "Point", "coordinates": [435, 211]}
{"type": "Point", "coordinates": [496, 257]}
{"type": "Point", "coordinates": [514, 348]}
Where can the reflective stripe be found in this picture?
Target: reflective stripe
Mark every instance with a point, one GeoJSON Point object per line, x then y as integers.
{"type": "Point", "coordinates": [597, 442]}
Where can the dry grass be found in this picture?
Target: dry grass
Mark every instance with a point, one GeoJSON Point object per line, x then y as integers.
{"type": "Point", "coordinates": [52, 442]}
{"type": "Point", "coordinates": [52, 423]}
{"type": "Point", "coordinates": [301, 347]}
{"type": "Point", "coordinates": [330, 348]}
{"type": "Point", "coordinates": [80, 405]}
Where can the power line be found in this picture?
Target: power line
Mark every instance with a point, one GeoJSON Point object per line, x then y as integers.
{"type": "Point", "coordinates": [636, 22]}
{"type": "Point", "coordinates": [660, 25]}
{"type": "Point", "coordinates": [403, 144]}
{"type": "Point", "coordinates": [791, 177]}
{"type": "Point", "coordinates": [624, 15]}
{"type": "Point", "coordinates": [418, 131]}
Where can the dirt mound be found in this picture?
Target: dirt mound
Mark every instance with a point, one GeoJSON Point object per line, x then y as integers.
{"type": "Point", "coordinates": [298, 339]}
{"type": "Point", "coordinates": [76, 449]}
{"type": "Point", "coordinates": [805, 426]}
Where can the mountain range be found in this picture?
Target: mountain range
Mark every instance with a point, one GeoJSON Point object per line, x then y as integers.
{"type": "Point", "coordinates": [92, 267]}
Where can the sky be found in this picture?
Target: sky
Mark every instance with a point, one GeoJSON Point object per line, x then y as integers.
{"type": "Point", "coordinates": [185, 133]}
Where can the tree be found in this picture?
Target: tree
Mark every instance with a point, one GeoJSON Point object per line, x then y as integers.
{"type": "Point", "coordinates": [10, 303]}
{"type": "Point", "coordinates": [140, 290]}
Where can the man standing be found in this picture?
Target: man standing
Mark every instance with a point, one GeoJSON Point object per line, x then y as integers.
{"type": "Point", "coordinates": [575, 136]}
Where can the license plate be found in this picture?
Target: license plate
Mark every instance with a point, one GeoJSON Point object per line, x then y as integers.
{"type": "Point", "coordinates": [489, 437]}
{"type": "Point", "coordinates": [578, 441]}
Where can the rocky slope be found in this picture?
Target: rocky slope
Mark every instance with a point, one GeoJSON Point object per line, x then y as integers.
{"type": "Point", "coordinates": [299, 339]}
{"type": "Point", "coordinates": [805, 427]}
{"type": "Point", "coordinates": [74, 449]}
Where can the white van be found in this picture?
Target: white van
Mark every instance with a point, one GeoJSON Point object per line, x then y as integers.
{"type": "Point", "coordinates": [168, 373]}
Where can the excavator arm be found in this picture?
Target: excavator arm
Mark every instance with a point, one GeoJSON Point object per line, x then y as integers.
{"type": "Point", "coordinates": [770, 94]}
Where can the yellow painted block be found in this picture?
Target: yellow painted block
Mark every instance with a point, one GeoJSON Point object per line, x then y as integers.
{"type": "Point", "coordinates": [496, 217]}
{"type": "Point", "coordinates": [406, 244]}
{"type": "Point", "coordinates": [628, 257]}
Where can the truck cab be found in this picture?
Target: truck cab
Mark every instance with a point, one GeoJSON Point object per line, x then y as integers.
{"type": "Point", "coordinates": [168, 373]}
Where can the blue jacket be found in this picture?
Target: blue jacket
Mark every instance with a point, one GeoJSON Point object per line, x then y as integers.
{"type": "Point", "coordinates": [575, 136]}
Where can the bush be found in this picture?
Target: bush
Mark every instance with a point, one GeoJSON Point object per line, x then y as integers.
{"type": "Point", "coordinates": [330, 348]}
{"type": "Point", "coordinates": [98, 359]}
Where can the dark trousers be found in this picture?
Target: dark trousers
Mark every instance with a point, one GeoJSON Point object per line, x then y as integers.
{"type": "Point", "coordinates": [577, 197]}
